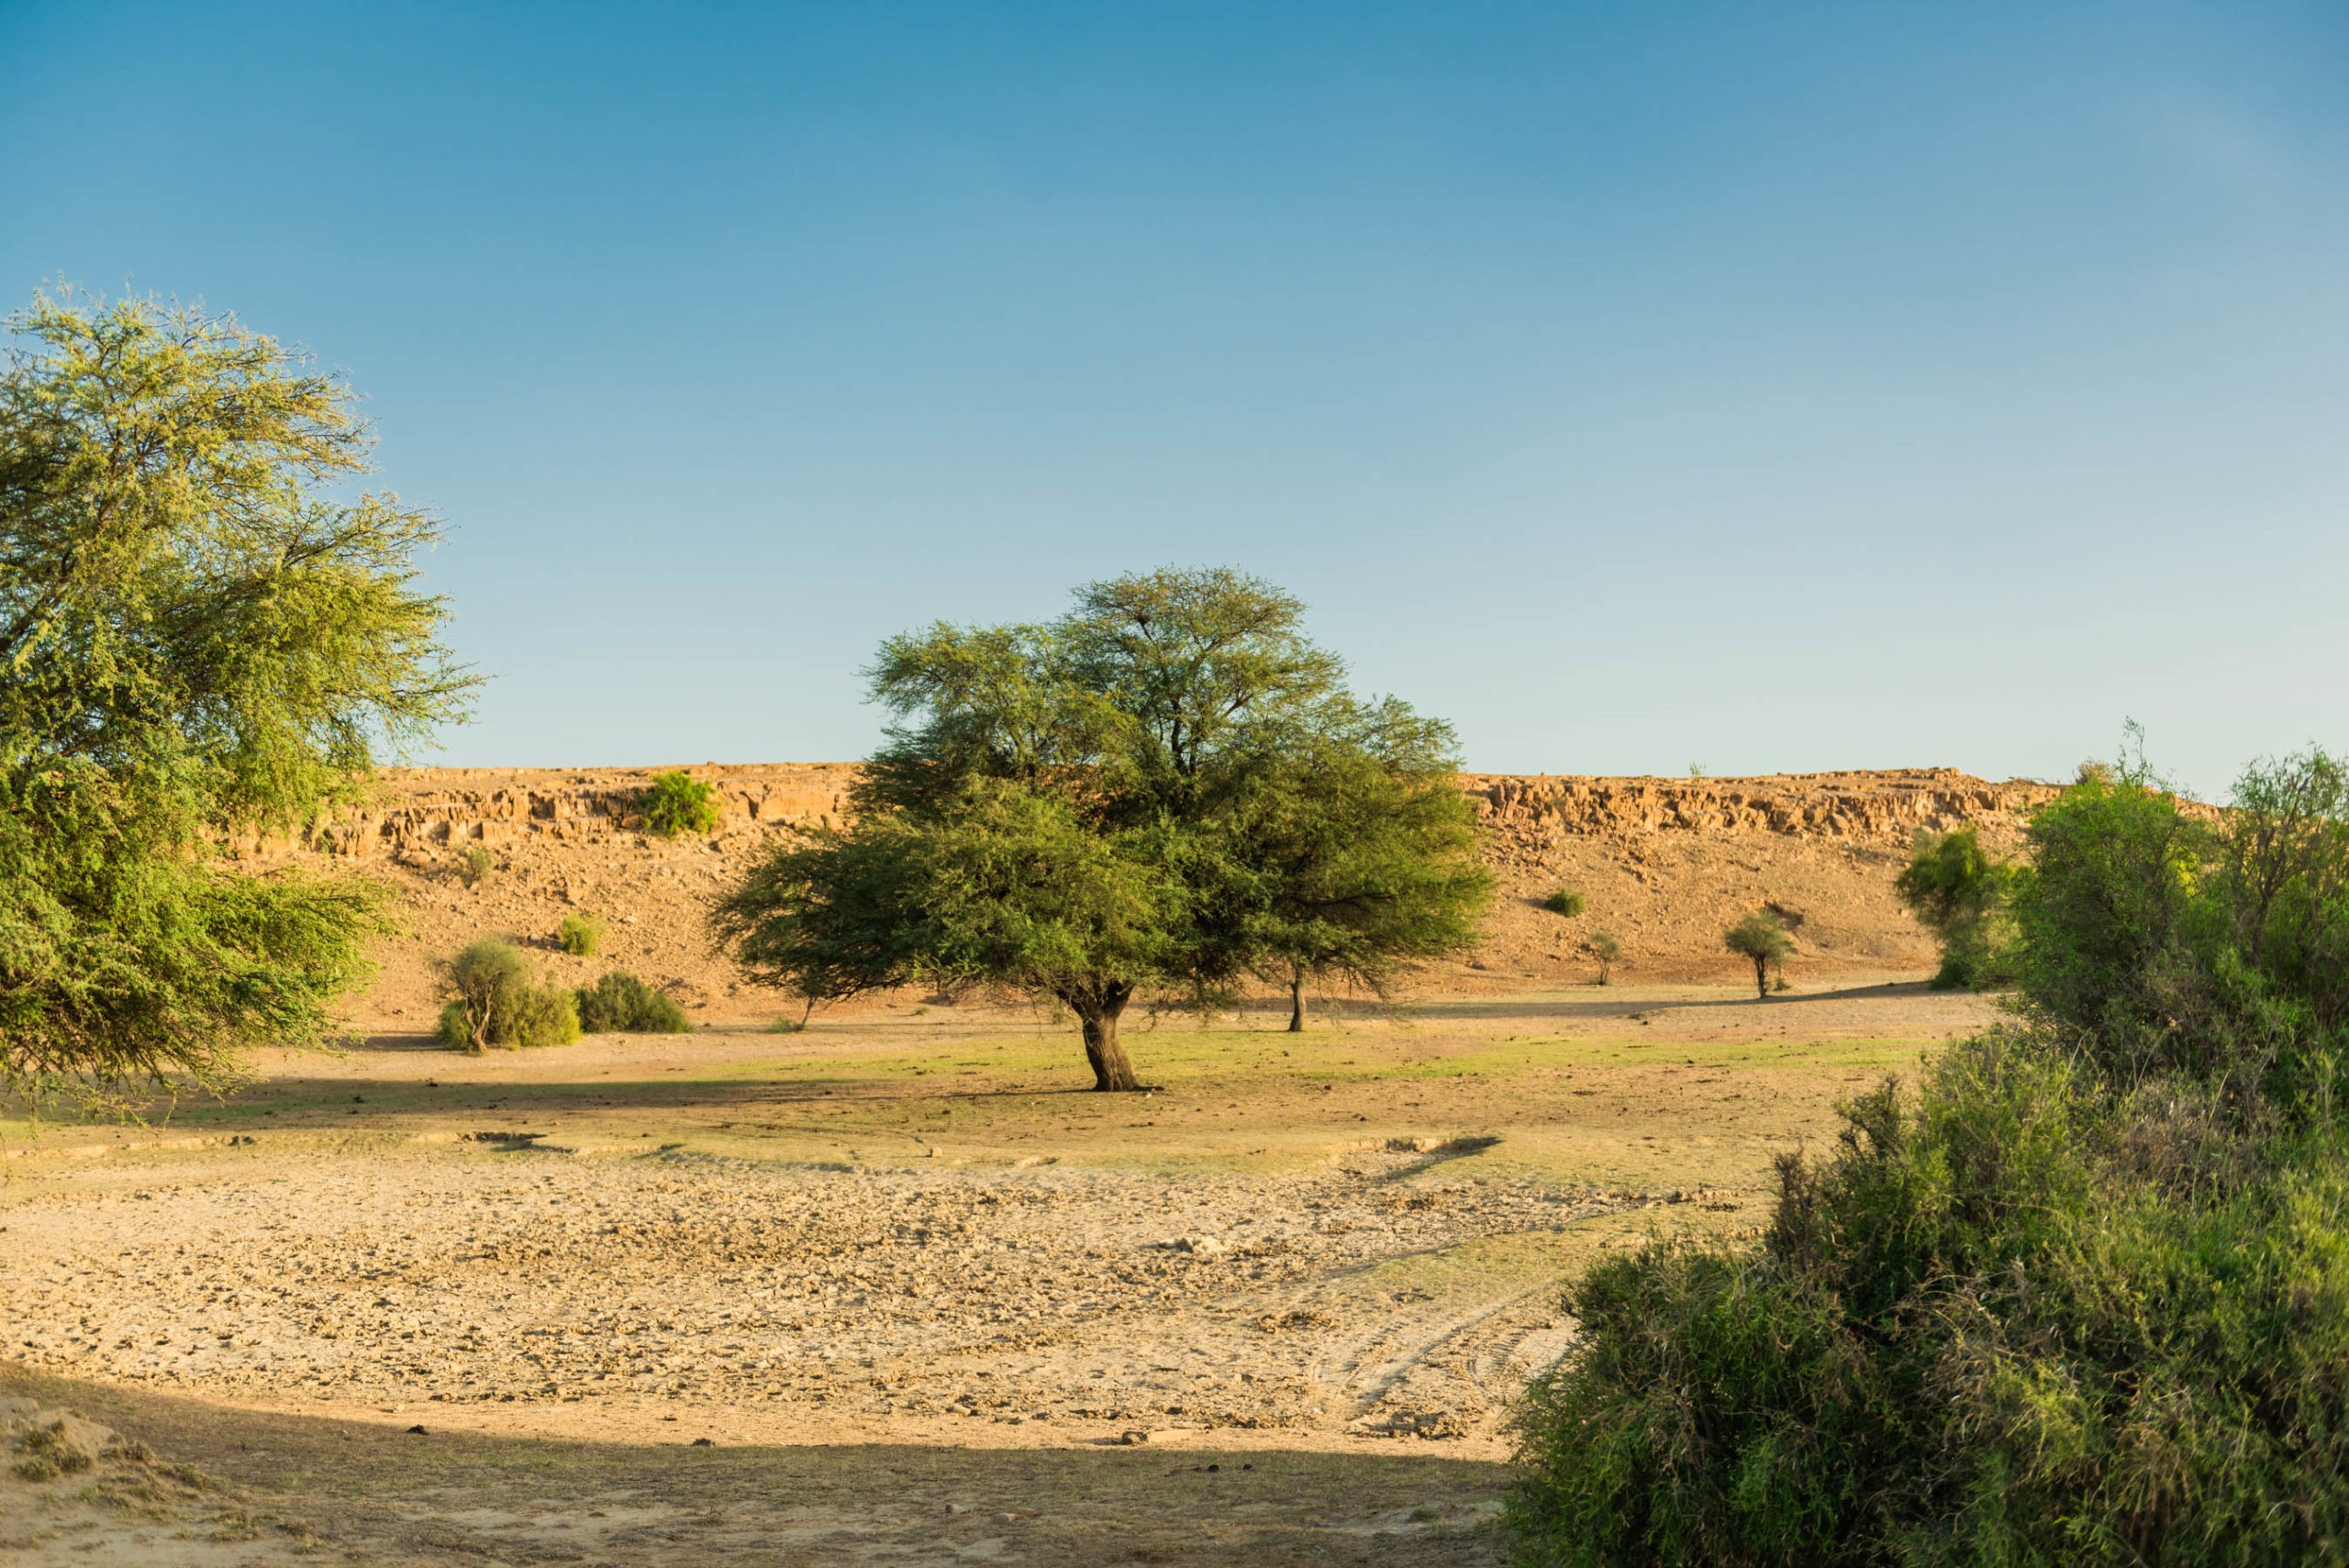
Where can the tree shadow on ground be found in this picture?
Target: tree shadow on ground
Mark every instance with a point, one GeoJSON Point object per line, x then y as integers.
{"type": "Point", "coordinates": [382, 1493]}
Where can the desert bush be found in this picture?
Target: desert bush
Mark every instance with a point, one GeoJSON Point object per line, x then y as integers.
{"type": "Point", "coordinates": [475, 861]}
{"type": "Point", "coordinates": [1762, 939]}
{"type": "Point", "coordinates": [679, 803]}
{"type": "Point", "coordinates": [1565, 901]}
{"type": "Point", "coordinates": [580, 934]}
{"type": "Point", "coordinates": [2066, 1301]}
{"type": "Point", "coordinates": [1607, 949]}
{"type": "Point", "coordinates": [1959, 894]}
{"type": "Point", "coordinates": [496, 1004]}
{"type": "Point", "coordinates": [621, 1004]}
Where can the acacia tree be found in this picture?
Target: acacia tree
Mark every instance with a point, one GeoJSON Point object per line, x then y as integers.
{"type": "Point", "coordinates": [1116, 801]}
{"type": "Point", "coordinates": [1759, 938]}
{"type": "Point", "coordinates": [199, 638]}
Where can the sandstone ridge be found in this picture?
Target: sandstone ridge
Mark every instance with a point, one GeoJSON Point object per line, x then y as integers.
{"type": "Point", "coordinates": [421, 812]}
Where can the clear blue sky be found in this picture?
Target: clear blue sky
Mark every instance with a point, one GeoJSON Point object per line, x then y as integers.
{"type": "Point", "coordinates": [1770, 386]}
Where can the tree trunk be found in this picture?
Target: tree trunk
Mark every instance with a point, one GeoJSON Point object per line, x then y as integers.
{"type": "Point", "coordinates": [1297, 1002]}
{"type": "Point", "coordinates": [1098, 1017]}
{"type": "Point", "coordinates": [1762, 978]}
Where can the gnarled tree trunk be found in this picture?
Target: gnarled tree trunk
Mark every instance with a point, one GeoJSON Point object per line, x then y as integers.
{"type": "Point", "coordinates": [1097, 1011]}
{"type": "Point", "coordinates": [1296, 1001]}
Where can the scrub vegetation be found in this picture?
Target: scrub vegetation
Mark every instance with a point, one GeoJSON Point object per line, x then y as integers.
{"type": "Point", "coordinates": [2082, 1296]}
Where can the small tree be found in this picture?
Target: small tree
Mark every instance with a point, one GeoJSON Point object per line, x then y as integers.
{"type": "Point", "coordinates": [1607, 950]}
{"type": "Point", "coordinates": [1760, 937]}
{"type": "Point", "coordinates": [1363, 855]}
{"type": "Point", "coordinates": [679, 803]}
{"type": "Point", "coordinates": [497, 1005]}
{"type": "Point", "coordinates": [1957, 891]}
{"type": "Point", "coordinates": [489, 978]}
{"type": "Point", "coordinates": [1139, 795]}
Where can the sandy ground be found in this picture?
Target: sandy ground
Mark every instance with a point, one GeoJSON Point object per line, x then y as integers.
{"type": "Point", "coordinates": [903, 1242]}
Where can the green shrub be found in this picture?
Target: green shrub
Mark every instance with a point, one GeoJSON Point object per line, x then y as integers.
{"type": "Point", "coordinates": [1959, 894]}
{"type": "Point", "coordinates": [580, 934]}
{"type": "Point", "coordinates": [1607, 949]}
{"type": "Point", "coordinates": [786, 1024]}
{"type": "Point", "coordinates": [1566, 901]}
{"type": "Point", "coordinates": [679, 803]}
{"type": "Point", "coordinates": [474, 862]}
{"type": "Point", "coordinates": [2081, 1297]}
{"type": "Point", "coordinates": [496, 1004]}
{"type": "Point", "coordinates": [621, 1004]}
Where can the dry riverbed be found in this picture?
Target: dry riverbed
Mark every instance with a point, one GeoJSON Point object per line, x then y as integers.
{"type": "Point", "coordinates": [902, 1267]}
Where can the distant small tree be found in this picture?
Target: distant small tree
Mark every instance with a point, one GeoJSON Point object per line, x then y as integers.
{"type": "Point", "coordinates": [1607, 950]}
{"type": "Point", "coordinates": [1959, 892]}
{"type": "Point", "coordinates": [475, 861]}
{"type": "Point", "coordinates": [679, 803]}
{"type": "Point", "coordinates": [1759, 938]}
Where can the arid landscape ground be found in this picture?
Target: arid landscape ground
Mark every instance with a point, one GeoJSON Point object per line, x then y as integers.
{"type": "Point", "coordinates": [896, 1289]}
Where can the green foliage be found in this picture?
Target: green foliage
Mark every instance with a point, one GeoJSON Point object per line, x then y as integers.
{"type": "Point", "coordinates": [1565, 901]}
{"type": "Point", "coordinates": [202, 636]}
{"type": "Point", "coordinates": [497, 1004]}
{"type": "Point", "coordinates": [1762, 939]}
{"type": "Point", "coordinates": [475, 861]}
{"type": "Point", "coordinates": [1167, 788]}
{"type": "Point", "coordinates": [1960, 894]}
{"type": "Point", "coordinates": [621, 1004]}
{"type": "Point", "coordinates": [580, 934]}
{"type": "Point", "coordinates": [1607, 949]}
{"type": "Point", "coordinates": [2081, 1297]}
{"type": "Point", "coordinates": [679, 803]}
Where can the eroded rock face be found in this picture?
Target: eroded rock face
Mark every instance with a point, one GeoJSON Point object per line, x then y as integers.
{"type": "Point", "coordinates": [420, 810]}
{"type": "Point", "coordinates": [424, 810]}
{"type": "Point", "coordinates": [1886, 807]}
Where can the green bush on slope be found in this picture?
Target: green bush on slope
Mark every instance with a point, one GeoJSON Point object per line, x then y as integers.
{"type": "Point", "coordinates": [2083, 1297]}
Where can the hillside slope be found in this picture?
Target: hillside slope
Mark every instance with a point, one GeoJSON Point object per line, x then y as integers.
{"type": "Point", "coordinates": [1663, 864]}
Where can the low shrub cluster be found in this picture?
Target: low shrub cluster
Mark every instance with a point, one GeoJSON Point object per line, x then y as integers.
{"type": "Point", "coordinates": [2082, 1296]}
{"type": "Point", "coordinates": [621, 1004]}
{"type": "Point", "coordinates": [498, 1004]}
{"type": "Point", "coordinates": [1565, 901]}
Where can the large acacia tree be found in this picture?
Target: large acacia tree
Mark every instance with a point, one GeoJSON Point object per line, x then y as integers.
{"type": "Point", "coordinates": [1158, 790]}
{"type": "Point", "coordinates": [203, 636]}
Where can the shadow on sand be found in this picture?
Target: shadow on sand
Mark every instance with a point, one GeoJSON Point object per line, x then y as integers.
{"type": "Point", "coordinates": [381, 1493]}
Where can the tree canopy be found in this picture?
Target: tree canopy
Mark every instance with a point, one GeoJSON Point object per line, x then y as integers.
{"type": "Point", "coordinates": [201, 636]}
{"type": "Point", "coordinates": [1169, 787]}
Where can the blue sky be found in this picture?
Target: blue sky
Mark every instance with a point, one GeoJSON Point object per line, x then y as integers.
{"type": "Point", "coordinates": [1766, 386]}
